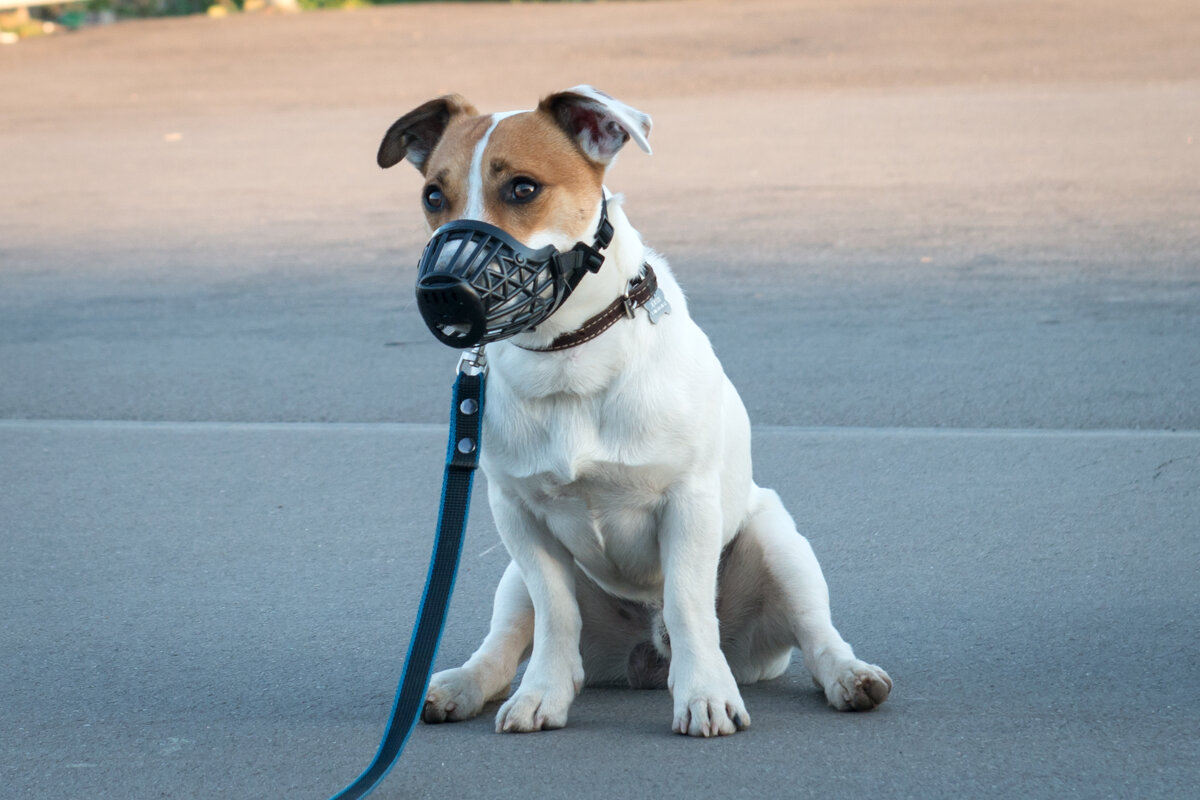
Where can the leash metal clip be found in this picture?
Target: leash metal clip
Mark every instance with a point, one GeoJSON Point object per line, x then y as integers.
{"type": "Point", "coordinates": [473, 361]}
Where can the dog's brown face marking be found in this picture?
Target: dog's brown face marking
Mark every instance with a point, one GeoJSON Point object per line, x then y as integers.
{"type": "Point", "coordinates": [530, 178]}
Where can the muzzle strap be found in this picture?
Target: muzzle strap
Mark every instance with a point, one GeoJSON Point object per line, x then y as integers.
{"type": "Point", "coordinates": [584, 257]}
{"type": "Point", "coordinates": [639, 293]}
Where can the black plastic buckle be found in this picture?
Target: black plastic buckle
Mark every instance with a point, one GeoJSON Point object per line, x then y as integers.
{"type": "Point", "coordinates": [604, 232]}
{"type": "Point", "coordinates": [577, 259]}
{"type": "Point", "coordinates": [592, 258]}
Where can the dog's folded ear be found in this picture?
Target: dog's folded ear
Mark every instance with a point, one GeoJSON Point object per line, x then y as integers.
{"type": "Point", "coordinates": [601, 125]}
{"type": "Point", "coordinates": [416, 133]}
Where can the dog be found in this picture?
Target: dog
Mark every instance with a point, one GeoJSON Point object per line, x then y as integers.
{"type": "Point", "coordinates": [618, 466]}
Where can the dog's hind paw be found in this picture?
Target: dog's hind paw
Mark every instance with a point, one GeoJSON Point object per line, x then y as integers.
{"type": "Point", "coordinates": [646, 668]}
{"type": "Point", "coordinates": [858, 686]}
{"type": "Point", "coordinates": [454, 695]}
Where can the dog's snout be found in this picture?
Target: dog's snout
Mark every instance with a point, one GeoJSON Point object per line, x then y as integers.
{"type": "Point", "coordinates": [451, 308]}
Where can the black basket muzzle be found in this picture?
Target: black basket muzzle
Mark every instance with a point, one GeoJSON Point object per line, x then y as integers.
{"type": "Point", "coordinates": [477, 284]}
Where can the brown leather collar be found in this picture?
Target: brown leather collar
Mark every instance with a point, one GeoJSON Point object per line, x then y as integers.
{"type": "Point", "coordinates": [640, 290]}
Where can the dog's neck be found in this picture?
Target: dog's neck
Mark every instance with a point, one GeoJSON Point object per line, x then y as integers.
{"type": "Point", "coordinates": [623, 260]}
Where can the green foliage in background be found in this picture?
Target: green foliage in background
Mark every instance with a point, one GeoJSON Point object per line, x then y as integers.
{"type": "Point", "coordinates": [75, 14]}
{"type": "Point", "coordinates": [159, 8]}
{"type": "Point", "coordinates": [79, 13]}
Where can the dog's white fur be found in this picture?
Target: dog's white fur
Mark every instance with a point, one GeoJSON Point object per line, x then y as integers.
{"type": "Point", "coordinates": [619, 477]}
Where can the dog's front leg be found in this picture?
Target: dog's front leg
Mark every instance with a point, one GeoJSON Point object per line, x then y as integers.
{"type": "Point", "coordinates": [460, 693]}
{"type": "Point", "coordinates": [555, 671]}
{"type": "Point", "coordinates": [707, 700]}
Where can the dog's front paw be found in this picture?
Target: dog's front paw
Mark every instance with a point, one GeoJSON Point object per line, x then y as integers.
{"type": "Point", "coordinates": [542, 700]}
{"type": "Point", "coordinates": [454, 694]}
{"type": "Point", "coordinates": [708, 707]}
{"type": "Point", "coordinates": [857, 686]}
{"type": "Point", "coordinates": [535, 709]}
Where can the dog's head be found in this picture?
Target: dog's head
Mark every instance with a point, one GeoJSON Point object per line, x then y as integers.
{"type": "Point", "coordinates": [508, 196]}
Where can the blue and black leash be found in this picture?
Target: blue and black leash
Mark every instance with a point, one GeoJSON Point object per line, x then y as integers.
{"type": "Point", "coordinates": [462, 458]}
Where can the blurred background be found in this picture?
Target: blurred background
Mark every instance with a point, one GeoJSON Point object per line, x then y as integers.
{"type": "Point", "coordinates": [975, 214]}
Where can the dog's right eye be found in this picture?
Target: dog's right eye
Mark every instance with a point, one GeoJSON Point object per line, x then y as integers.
{"type": "Point", "coordinates": [434, 199]}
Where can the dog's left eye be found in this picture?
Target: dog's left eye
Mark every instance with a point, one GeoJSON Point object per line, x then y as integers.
{"type": "Point", "coordinates": [522, 190]}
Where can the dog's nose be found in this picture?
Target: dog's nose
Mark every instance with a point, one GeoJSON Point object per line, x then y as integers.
{"type": "Point", "coordinates": [452, 309]}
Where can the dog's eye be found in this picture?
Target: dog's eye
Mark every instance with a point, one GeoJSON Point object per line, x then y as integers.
{"type": "Point", "coordinates": [522, 190]}
{"type": "Point", "coordinates": [434, 199]}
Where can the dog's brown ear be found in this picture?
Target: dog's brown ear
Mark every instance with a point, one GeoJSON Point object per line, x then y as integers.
{"type": "Point", "coordinates": [416, 133]}
{"type": "Point", "coordinates": [601, 125]}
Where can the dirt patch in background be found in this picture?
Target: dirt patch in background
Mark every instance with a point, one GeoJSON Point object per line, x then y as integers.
{"type": "Point", "coordinates": [789, 120]}
{"type": "Point", "coordinates": [646, 51]}
{"type": "Point", "coordinates": [819, 126]}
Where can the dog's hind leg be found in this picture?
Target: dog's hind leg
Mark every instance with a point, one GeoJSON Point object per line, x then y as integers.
{"type": "Point", "coordinates": [848, 683]}
{"type": "Point", "coordinates": [461, 693]}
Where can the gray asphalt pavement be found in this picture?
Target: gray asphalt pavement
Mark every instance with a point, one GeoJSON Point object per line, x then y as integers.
{"type": "Point", "coordinates": [206, 610]}
{"type": "Point", "coordinates": [949, 253]}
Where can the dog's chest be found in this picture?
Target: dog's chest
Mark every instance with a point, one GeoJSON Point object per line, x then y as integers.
{"type": "Point", "coordinates": [571, 441]}
{"type": "Point", "coordinates": [593, 476]}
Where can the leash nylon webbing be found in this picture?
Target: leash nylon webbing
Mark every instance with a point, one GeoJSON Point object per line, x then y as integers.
{"type": "Point", "coordinates": [462, 457]}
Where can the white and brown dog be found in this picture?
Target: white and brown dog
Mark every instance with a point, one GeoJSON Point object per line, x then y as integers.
{"type": "Point", "coordinates": [618, 468]}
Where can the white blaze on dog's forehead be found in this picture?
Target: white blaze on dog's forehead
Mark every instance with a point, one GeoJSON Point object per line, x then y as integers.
{"type": "Point", "coordinates": [474, 209]}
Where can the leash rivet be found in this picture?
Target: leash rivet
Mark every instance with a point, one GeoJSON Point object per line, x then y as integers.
{"type": "Point", "coordinates": [468, 406]}
{"type": "Point", "coordinates": [466, 446]}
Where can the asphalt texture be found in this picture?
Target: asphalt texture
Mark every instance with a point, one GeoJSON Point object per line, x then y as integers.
{"type": "Point", "coordinates": [948, 252]}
